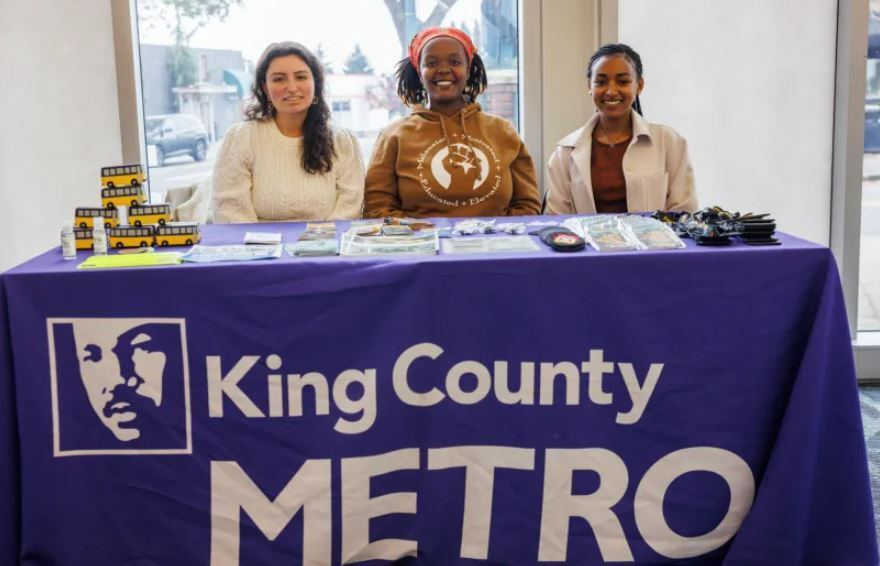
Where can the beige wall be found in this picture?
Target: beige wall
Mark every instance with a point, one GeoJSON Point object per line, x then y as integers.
{"type": "Point", "coordinates": [572, 30]}
{"type": "Point", "coordinates": [59, 120]}
{"type": "Point", "coordinates": [750, 84]}
{"type": "Point", "coordinates": [569, 38]}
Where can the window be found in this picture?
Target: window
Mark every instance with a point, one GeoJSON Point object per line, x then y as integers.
{"type": "Point", "coordinates": [209, 79]}
{"type": "Point", "coordinates": [869, 253]}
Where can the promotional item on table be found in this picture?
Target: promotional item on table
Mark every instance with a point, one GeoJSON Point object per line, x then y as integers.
{"type": "Point", "coordinates": [317, 240]}
{"type": "Point", "coordinates": [714, 226]}
{"type": "Point", "coordinates": [266, 238]}
{"type": "Point", "coordinates": [98, 229]}
{"type": "Point", "coordinates": [235, 252]}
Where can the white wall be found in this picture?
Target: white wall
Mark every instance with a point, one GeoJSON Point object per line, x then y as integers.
{"type": "Point", "coordinates": [569, 34]}
{"type": "Point", "coordinates": [750, 84]}
{"type": "Point", "coordinates": [59, 119]}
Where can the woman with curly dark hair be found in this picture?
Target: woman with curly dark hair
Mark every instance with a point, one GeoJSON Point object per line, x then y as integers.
{"type": "Point", "coordinates": [284, 161]}
{"type": "Point", "coordinates": [448, 157]}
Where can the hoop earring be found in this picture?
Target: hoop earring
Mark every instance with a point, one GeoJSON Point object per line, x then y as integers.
{"type": "Point", "coordinates": [270, 107]}
{"type": "Point", "coordinates": [315, 101]}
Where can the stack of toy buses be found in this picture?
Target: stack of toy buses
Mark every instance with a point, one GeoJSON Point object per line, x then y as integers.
{"type": "Point", "coordinates": [148, 224]}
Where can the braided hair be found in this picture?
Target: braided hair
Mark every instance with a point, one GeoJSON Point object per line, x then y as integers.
{"type": "Point", "coordinates": [318, 149]}
{"type": "Point", "coordinates": [623, 50]}
{"type": "Point", "coordinates": [412, 92]}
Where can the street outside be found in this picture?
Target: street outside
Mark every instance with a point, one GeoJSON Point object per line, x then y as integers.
{"type": "Point", "coordinates": [869, 256]}
{"type": "Point", "coordinates": [178, 172]}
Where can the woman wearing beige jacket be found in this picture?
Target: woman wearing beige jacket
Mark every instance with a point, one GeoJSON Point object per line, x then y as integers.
{"type": "Point", "coordinates": [618, 161]}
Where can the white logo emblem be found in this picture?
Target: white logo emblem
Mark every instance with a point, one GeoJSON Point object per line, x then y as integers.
{"type": "Point", "coordinates": [124, 376]}
{"type": "Point", "coordinates": [460, 161]}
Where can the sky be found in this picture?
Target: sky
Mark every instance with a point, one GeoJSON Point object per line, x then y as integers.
{"type": "Point", "coordinates": [336, 24]}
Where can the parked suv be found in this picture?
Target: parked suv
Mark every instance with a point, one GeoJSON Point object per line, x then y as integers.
{"type": "Point", "coordinates": [177, 134]}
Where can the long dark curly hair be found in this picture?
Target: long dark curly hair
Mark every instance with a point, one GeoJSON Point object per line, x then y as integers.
{"type": "Point", "coordinates": [318, 149]}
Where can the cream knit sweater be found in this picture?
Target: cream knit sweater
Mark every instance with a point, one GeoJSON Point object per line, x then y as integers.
{"type": "Point", "coordinates": [258, 176]}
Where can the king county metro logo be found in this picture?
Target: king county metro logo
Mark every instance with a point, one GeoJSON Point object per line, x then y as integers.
{"type": "Point", "coordinates": [470, 164]}
{"type": "Point", "coordinates": [119, 386]}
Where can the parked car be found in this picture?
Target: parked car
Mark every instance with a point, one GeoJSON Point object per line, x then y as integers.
{"type": "Point", "coordinates": [177, 134]}
{"type": "Point", "coordinates": [872, 125]}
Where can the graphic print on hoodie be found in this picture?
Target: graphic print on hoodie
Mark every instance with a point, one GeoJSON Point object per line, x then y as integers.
{"type": "Point", "coordinates": [470, 164]}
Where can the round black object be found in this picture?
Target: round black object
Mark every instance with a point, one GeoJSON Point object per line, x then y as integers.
{"type": "Point", "coordinates": [561, 239]}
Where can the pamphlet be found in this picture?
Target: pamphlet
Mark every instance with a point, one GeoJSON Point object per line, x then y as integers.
{"type": "Point", "coordinates": [246, 252]}
{"type": "Point", "coordinates": [130, 260]}
{"type": "Point", "coordinates": [424, 242]}
{"type": "Point", "coordinates": [313, 248]}
{"type": "Point", "coordinates": [489, 244]}
{"type": "Point", "coordinates": [266, 238]}
{"type": "Point", "coordinates": [319, 239]}
{"type": "Point", "coordinates": [613, 232]}
{"type": "Point", "coordinates": [605, 233]}
{"type": "Point", "coordinates": [651, 234]}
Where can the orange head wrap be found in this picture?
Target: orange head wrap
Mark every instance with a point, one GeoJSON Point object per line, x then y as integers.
{"type": "Point", "coordinates": [427, 34]}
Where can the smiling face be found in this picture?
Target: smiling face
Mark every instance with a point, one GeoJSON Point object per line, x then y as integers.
{"type": "Point", "coordinates": [614, 86]}
{"type": "Point", "coordinates": [444, 71]}
{"type": "Point", "coordinates": [289, 85]}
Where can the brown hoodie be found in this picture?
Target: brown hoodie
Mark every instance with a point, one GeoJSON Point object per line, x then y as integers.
{"type": "Point", "coordinates": [470, 164]}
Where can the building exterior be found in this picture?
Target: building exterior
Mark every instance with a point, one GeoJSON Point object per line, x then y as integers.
{"type": "Point", "coordinates": [359, 102]}
{"type": "Point", "coordinates": [222, 83]}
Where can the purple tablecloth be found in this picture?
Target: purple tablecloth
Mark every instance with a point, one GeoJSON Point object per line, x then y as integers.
{"type": "Point", "coordinates": [696, 405]}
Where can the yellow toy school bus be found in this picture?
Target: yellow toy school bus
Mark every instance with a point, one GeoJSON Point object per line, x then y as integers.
{"type": "Point", "coordinates": [83, 238]}
{"type": "Point", "coordinates": [129, 195]}
{"type": "Point", "coordinates": [119, 175]}
{"type": "Point", "coordinates": [149, 214]}
{"type": "Point", "coordinates": [84, 217]}
{"type": "Point", "coordinates": [131, 236]}
{"type": "Point", "coordinates": [178, 234]}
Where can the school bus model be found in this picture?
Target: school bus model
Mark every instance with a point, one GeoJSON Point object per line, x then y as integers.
{"type": "Point", "coordinates": [83, 238]}
{"type": "Point", "coordinates": [149, 214]}
{"type": "Point", "coordinates": [129, 195]}
{"type": "Point", "coordinates": [131, 236]}
{"type": "Point", "coordinates": [119, 175]}
{"type": "Point", "coordinates": [178, 234]}
{"type": "Point", "coordinates": [84, 217]}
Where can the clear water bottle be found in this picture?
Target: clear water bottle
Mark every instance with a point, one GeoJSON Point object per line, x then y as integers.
{"type": "Point", "coordinates": [122, 215]}
{"type": "Point", "coordinates": [99, 236]}
{"type": "Point", "coordinates": [68, 242]}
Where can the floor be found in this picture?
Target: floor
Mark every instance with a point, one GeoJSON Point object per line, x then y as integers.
{"type": "Point", "coordinates": [870, 402]}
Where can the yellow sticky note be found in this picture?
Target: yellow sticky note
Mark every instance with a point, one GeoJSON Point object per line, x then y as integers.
{"type": "Point", "coordinates": [130, 260]}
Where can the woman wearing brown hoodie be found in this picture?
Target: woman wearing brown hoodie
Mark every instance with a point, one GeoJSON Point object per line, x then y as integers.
{"type": "Point", "coordinates": [448, 158]}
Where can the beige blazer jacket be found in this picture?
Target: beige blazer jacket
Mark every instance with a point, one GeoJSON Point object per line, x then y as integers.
{"type": "Point", "coordinates": [656, 167]}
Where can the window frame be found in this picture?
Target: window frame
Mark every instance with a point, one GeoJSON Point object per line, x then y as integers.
{"type": "Point", "coordinates": [536, 47]}
{"type": "Point", "coordinates": [846, 182]}
{"type": "Point", "coordinates": [132, 118]}
{"type": "Point", "coordinates": [848, 148]}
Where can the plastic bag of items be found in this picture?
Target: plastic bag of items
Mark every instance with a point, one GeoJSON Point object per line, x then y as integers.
{"type": "Point", "coordinates": [714, 226]}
